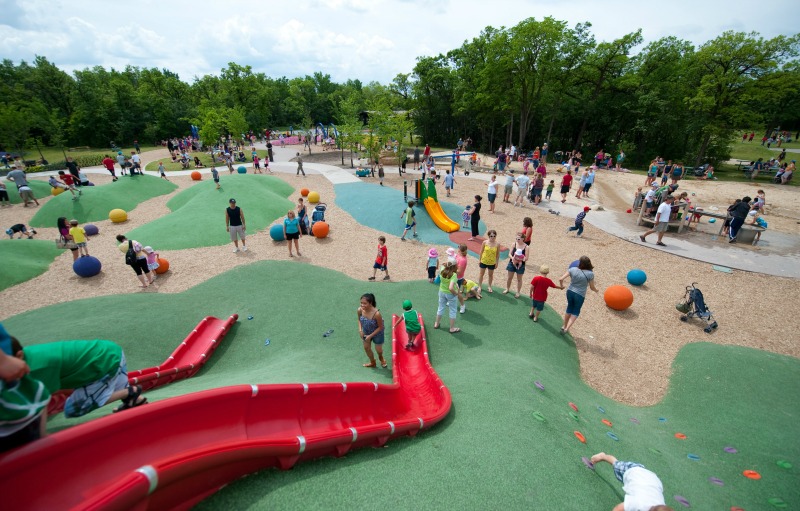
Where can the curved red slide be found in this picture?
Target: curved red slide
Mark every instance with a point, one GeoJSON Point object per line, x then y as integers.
{"type": "Point", "coordinates": [190, 355]}
{"type": "Point", "coordinates": [174, 453]}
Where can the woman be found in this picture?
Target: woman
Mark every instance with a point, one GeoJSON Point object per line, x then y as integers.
{"type": "Point", "coordinates": [488, 258]}
{"type": "Point", "coordinates": [140, 264]}
{"type": "Point", "coordinates": [527, 230]}
{"type": "Point", "coordinates": [370, 329]}
{"type": "Point", "coordinates": [652, 171]}
{"type": "Point", "coordinates": [475, 217]}
{"type": "Point", "coordinates": [301, 215]}
{"type": "Point", "coordinates": [516, 263]}
{"type": "Point", "coordinates": [677, 173]}
{"type": "Point", "coordinates": [491, 193]}
{"type": "Point", "coordinates": [291, 231]}
{"type": "Point", "coordinates": [63, 230]}
{"type": "Point", "coordinates": [582, 183]}
{"type": "Point", "coordinates": [448, 295]}
{"type": "Point", "coordinates": [581, 277]}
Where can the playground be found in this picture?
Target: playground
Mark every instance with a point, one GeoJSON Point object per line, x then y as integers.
{"type": "Point", "coordinates": [697, 409]}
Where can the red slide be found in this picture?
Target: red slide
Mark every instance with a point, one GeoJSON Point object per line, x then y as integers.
{"type": "Point", "coordinates": [185, 361]}
{"type": "Point", "coordinates": [173, 453]}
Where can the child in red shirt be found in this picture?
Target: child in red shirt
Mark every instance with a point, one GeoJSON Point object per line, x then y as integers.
{"type": "Point", "coordinates": [381, 260]}
{"type": "Point", "coordinates": [69, 180]}
{"type": "Point", "coordinates": [539, 286]}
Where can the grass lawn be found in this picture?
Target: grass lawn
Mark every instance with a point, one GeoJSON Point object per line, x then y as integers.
{"type": "Point", "coordinates": [25, 259]}
{"type": "Point", "coordinates": [205, 158]}
{"type": "Point", "coordinates": [506, 444]}
{"type": "Point", "coordinates": [54, 154]}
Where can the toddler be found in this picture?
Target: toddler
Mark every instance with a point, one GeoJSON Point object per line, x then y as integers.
{"type": "Point", "coordinates": [152, 260]}
{"type": "Point", "coordinates": [411, 318]}
{"type": "Point", "coordinates": [465, 217]}
{"type": "Point", "coordinates": [471, 288]}
{"type": "Point", "coordinates": [539, 286]}
{"type": "Point", "coordinates": [4, 200]}
{"type": "Point", "coordinates": [433, 263]}
{"type": "Point", "coordinates": [550, 187]}
{"type": "Point", "coordinates": [643, 489]}
{"type": "Point", "coordinates": [519, 258]}
{"type": "Point", "coordinates": [79, 237]}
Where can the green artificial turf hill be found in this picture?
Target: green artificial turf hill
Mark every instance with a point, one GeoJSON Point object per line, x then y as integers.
{"type": "Point", "coordinates": [40, 190]}
{"type": "Point", "coordinates": [97, 201]}
{"type": "Point", "coordinates": [506, 444]}
{"type": "Point", "coordinates": [198, 213]}
{"type": "Point", "coordinates": [25, 259]}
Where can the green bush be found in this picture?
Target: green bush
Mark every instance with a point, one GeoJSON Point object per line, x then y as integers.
{"type": "Point", "coordinates": [35, 168]}
{"type": "Point", "coordinates": [89, 160]}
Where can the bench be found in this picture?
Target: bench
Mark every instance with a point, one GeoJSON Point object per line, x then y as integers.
{"type": "Point", "coordinates": [749, 234]}
{"type": "Point", "coordinates": [79, 148]}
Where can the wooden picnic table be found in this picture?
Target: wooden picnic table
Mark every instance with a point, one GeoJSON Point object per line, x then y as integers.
{"type": "Point", "coordinates": [748, 232]}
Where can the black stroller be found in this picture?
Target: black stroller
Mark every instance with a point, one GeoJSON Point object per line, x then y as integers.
{"type": "Point", "coordinates": [694, 306]}
{"type": "Point", "coordinates": [318, 215]}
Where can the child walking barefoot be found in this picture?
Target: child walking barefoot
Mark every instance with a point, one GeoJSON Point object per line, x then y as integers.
{"type": "Point", "coordinates": [643, 489]}
{"type": "Point", "coordinates": [370, 328]}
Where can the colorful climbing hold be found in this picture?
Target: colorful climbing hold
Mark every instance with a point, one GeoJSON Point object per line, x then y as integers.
{"type": "Point", "coordinates": [574, 416]}
{"type": "Point", "coordinates": [586, 461]}
{"type": "Point", "coordinates": [751, 474]}
{"type": "Point", "coordinates": [607, 422]}
{"type": "Point", "coordinates": [249, 317]}
{"type": "Point", "coordinates": [682, 501]}
{"type": "Point", "coordinates": [654, 450]}
{"type": "Point", "coordinates": [693, 457]}
{"type": "Point", "coordinates": [601, 409]}
{"type": "Point", "coordinates": [538, 416]}
{"type": "Point", "coordinates": [634, 420]}
{"type": "Point", "coordinates": [612, 436]}
{"type": "Point", "coordinates": [779, 503]}
{"type": "Point", "coordinates": [539, 385]}
{"type": "Point", "coordinates": [784, 464]}
{"type": "Point", "coordinates": [662, 419]}
{"type": "Point", "coordinates": [573, 406]}
{"type": "Point", "coordinates": [716, 480]}
{"type": "Point", "coordinates": [730, 450]}
{"type": "Point", "coordinates": [680, 436]}
{"type": "Point", "coordinates": [580, 436]}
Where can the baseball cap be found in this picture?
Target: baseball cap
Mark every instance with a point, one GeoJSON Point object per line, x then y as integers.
{"type": "Point", "coordinates": [654, 185]}
{"type": "Point", "coordinates": [233, 201]}
{"type": "Point", "coordinates": [407, 305]}
{"type": "Point", "coordinates": [586, 208]}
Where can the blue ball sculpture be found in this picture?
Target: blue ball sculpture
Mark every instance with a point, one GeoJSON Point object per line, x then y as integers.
{"type": "Point", "coordinates": [276, 232]}
{"type": "Point", "coordinates": [637, 277]}
{"type": "Point", "coordinates": [87, 266]}
{"type": "Point", "coordinates": [242, 169]}
{"type": "Point", "coordinates": [91, 229]}
{"type": "Point", "coordinates": [575, 263]}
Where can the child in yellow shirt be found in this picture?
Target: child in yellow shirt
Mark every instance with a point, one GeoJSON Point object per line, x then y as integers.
{"type": "Point", "coordinates": [79, 237]}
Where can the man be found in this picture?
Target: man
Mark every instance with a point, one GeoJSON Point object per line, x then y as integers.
{"type": "Point", "coordinates": [544, 153]}
{"type": "Point", "coordinates": [136, 162]}
{"type": "Point", "coordinates": [509, 187]}
{"type": "Point", "coordinates": [300, 165]}
{"type": "Point", "coordinates": [236, 225]}
{"type": "Point", "coordinates": [108, 163]}
{"type": "Point", "coordinates": [738, 214]}
{"type": "Point", "coordinates": [121, 160]}
{"type": "Point", "coordinates": [522, 188]}
{"type": "Point", "coordinates": [426, 154]}
{"type": "Point", "coordinates": [757, 167]}
{"type": "Point", "coordinates": [661, 221]}
{"type": "Point", "coordinates": [416, 157]}
{"type": "Point", "coordinates": [73, 169]}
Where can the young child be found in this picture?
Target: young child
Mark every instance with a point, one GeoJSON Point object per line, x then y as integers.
{"type": "Point", "coordinates": [519, 258]}
{"type": "Point", "coordinates": [465, 217]}
{"type": "Point", "coordinates": [4, 200]}
{"type": "Point", "coordinates": [760, 201]}
{"type": "Point", "coordinates": [54, 183]}
{"type": "Point", "coordinates": [432, 264]}
{"type": "Point", "coordinates": [579, 221]}
{"type": "Point", "coordinates": [411, 318]}
{"type": "Point", "coordinates": [266, 166]}
{"type": "Point", "coordinates": [471, 289]}
{"type": "Point", "coordinates": [215, 175]}
{"type": "Point", "coordinates": [381, 260]}
{"type": "Point", "coordinates": [256, 164]}
{"type": "Point", "coordinates": [649, 199]}
{"type": "Point", "coordinates": [152, 261]}
{"type": "Point", "coordinates": [410, 222]}
{"type": "Point", "coordinates": [162, 171]}
{"type": "Point", "coordinates": [643, 489]}
{"type": "Point", "coordinates": [79, 237]}
{"type": "Point", "coordinates": [539, 286]}
{"type": "Point", "coordinates": [550, 187]}
{"type": "Point", "coordinates": [22, 230]}
{"type": "Point", "coordinates": [69, 180]}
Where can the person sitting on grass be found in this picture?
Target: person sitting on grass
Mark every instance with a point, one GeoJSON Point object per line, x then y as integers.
{"type": "Point", "coordinates": [95, 370]}
{"type": "Point", "coordinates": [197, 163]}
{"type": "Point", "coordinates": [643, 488]}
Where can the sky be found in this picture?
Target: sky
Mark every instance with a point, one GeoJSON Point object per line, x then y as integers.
{"type": "Point", "coordinates": [368, 40]}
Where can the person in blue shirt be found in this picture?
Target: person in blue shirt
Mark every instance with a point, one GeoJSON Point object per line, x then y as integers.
{"type": "Point", "coordinates": [291, 231]}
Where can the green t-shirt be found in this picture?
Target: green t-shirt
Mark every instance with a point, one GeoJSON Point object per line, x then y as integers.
{"type": "Point", "coordinates": [72, 364]}
{"type": "Point", "coordinates": [409, 216]}
{"type": "Point", "coordinates": [444, 284]}
{"type": "Point", "coordinates": [550, 187]}
{"type": "Point", "coordinates": [412, 322]}
{"type": "Point", "coordinates": [21, 402]}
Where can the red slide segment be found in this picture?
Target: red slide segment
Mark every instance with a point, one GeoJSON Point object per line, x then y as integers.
{"type": "Point", "coordinates": [185, 361]}
{"type": "Point", "coordinates": [174, 453]}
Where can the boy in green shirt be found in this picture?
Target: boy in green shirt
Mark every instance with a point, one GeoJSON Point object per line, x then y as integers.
{"type": "Point", "coordinates": [96, 370]}
{"type": "Point", "coordinates": [410, 316]}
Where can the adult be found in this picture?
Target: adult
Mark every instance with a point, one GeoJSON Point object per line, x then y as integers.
{"type": "Point", "coordinates": [757, 167]}
{"type": "Point", "coordinates": [491, 193]}
{"type": "Point", "coordinates": [108, 163]}
{"type": "Point", "coordinates": [302, 216]}
{"type": "Point", "coordinates": [589, 182]}
{"type": "Point", "coordinates": [448, 295]}
{"type": "Point", "coordinates": [599, 158]}
{"type": "Point", "coordinates": [427, 153]}
{"type": "Point", "coordinates": [677, 172]}
{"type": "Point", "coordinates": [517, 257]}
{"type": "Point", "coordinates": [501, 160]}
{"type": "Point", "coordinates": [523, 182]}
{"type": "Point", "coordinates": [236, 225]}
{"type": "Point", "coordinates": [738, 216]}
{"type": "Point", "coordinates": [581, 277]}
{"type": "Point", "coordinates": [509, 187]}
{"type": "Point", "coordinates": [140, 262]}
{"type": "Point", "coordinates": [370, 328]}
{"type": "Point", "coordinates": [566, 184]}
{"type": "Point", "coordinates": [661, 221]}
{"type": "Point", "coordinates": [73, 169]}
{"type": "Point", "coordinates": [487, 260]}
{"type": "Point", "coordinates": [536, 189]}
{"type": "Point", "coordinates": [475, 217]}
{"type": "Point", "coordinates": [122, 162]}
{"type": "Point", "coordinates": [416, 157]}
{"type": "Point", "coordinates": [787, 173]}
{"type": "Point", "coordinates": [18, 177]}
{"type": "Point", "coordinates": [269, 151]}
{"type": "Point", "coordinates": [63, 230]}
{"type": "Point", "coordinates": [581, 182]}
{"type": "Point", "coordinates": [300, 165]}
{"type": "Point", "coordinates": [527, 230]}
{"type": "Point", "coordinates": [545, 150]}
{"type": "Point", "coordinates": [291, 231]}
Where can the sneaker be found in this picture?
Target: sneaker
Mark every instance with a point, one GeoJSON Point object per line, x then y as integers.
{"type": "Point", "coordinates": [732, 240]}
{"type": "Point", "coordinates": [371, 278]}
{"type": "Point", "coordinates": [244, 249]}
{"type": "Point", "coordinates": [463, 309]}
{"type": "Point", "coordinates": [416, 235]}
{"type": "Point", "coordinates": [386, 278]}
{"type": "Point", "coordinates": [235, 250]}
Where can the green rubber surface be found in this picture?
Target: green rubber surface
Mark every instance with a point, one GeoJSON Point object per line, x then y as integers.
{"type": "Point", "coordinates": [25, 259]}
{"type": "Point", "coordinates": [40, 190]}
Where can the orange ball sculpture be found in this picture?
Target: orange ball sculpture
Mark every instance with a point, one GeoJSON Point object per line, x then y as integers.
{"type": "Point", "coordinates": [163, 266]}
{"type": "Point", "coordinates": [304, 192]}
{"type": "Point", "coordinates": [320, 229]}
{"type": "Point", "coordinates": [618, 297]}
{"type": "Point", "coordinates": [196, 176]}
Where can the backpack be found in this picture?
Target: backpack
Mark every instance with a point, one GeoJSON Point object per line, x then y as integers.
{"type": "Point", "coordinates": [130, 255]}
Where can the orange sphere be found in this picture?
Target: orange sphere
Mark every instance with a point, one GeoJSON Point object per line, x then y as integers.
{"type": "Point", "coordinates": [320, 229]}
{"type": "Point", "coordinates": [304, 192]}
{"type": "Point", "coordinates": [618, 297]}
{"type": "Point", "coordinates": [196, 176]}
{"type": "Point", "coordinates": [163, 266]}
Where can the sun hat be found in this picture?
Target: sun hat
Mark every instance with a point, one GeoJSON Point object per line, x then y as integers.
{"type": "Point", "coordinates": [148, 249]}
{"type": "Point", "coordinates": [407, 305]}
{"type": "Point", "coordinates": [433, 253]}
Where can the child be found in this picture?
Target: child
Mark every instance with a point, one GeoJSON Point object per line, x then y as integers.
{"type": "Point", "coordinates": [381, 173]}
{"type": "Point", "coordinates": [579, 221]}
{"type": "Point", "coordinates": [4, 200]}
{"type": "Point", "coordinates": [643, 489]}
{"type": "Point", "coordinates": [152, 261]}
{"type": "Point", "coordinates": [79, 237]}
{"type": "Point", "coordinates": [760, 202]}
{"type": "Point", "coordinates": [410, 222]}
{"type": "Point", "coordinates": [433, 263]}
{"type": "Point", "coordinates": [465, 217]}
{"type": "Point", "coordinates": [162, 171]}
{"type": "Point", "coordinates": [650, 198]}
{"type": "Point", "coordinates": [266, 166]}
{"type": "Point", "coordinates": [471, 288]}
{"type": "Point", "coordinates": [26, 194]}
{"type": "Point", "coordinates": [411, 318]}
{"type": "Point", "coordinates": [550, 187]}
{"type": "Point", "coordinates": [69, 180]}
{"type": "Point", "coordinates": [539, 286]}
{"type": "Point", "coordinates": [53, 182]}
{"type": "Point", "coordinates": [21, 229]}
{"type": "Point", "coordinates": [449, 182]}
{"type": "Point", "coordinates": [381, 260]}
{"type": "Point", "coordinates": [215, 175]}
{"type": "Point", "coordinates": [256, 164]}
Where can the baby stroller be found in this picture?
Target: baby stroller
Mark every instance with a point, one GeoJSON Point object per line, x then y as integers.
{"type": "Point", "coordinates": [694, 306]}
{"type": "Point", "coordinates": [318, 215]}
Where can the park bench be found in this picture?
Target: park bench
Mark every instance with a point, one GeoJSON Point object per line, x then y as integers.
{"type": "Point", "coordinates": [79, 148]}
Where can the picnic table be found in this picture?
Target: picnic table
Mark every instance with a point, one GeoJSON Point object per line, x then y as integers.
{"type": "Point", "coordinates": [748, 233]}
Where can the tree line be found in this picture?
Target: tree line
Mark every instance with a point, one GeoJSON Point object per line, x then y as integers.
{"type": "Point", "coordinates": [540, 80]}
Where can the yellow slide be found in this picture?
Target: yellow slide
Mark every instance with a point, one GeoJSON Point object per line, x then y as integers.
{"type": "Point", "coordinates": [438, 216]}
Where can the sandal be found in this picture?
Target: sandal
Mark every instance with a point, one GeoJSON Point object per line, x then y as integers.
{"type": "Point", "coordinates": [384, 364]}
{"type": "Point", "coordinates": [132, 401]}
{"type": "Point", "coordinates": [455, 330]}
{"type": "Point", "coordinates": [435, 325]}
{"type": "Point", "coordinates": [371, 364]}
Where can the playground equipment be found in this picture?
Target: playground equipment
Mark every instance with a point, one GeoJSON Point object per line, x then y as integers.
{"type": "Point", "coordinates": [276, 232]}
{"type": "Point", "coordinates": [318, 215]}
{"type": "Point", "coordinates": [637, 277]}
{"type": "Point", "coordinates": [618, 297]}
{"type": "Point", "coordinates": [205, 440]}
{"type": "Point", "coordinates": [426, 193]}
{"type": "Point", "coordinates": [196, 176]}
{"type": "Point", "coordinates": [87, 266]}
{"type": "Point", "coordinates": [163, 266]}
{"type": "Point", "coordinates": [241, 169]}
{"type": "Point", "coordinates": [117, 215]}
{"type": "Point", "coordinates": [56, 191]}
{"type": "Point", "coordinates": [304, 192]}
{"type": "Point", "coordinates": [313, 197]}
{"type": "Point", "coordinates": [320, 229]}
{"type": "Point", "coordinates": [91, 230]}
